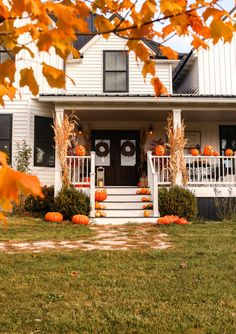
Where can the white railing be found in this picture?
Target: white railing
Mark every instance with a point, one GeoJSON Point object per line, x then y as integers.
{"type": "Point", "coordinates": [152, 183]}
{"type": "Point", "coordinates": [82, 174]}
{"type": "Point", "coordinates": [204, 171]}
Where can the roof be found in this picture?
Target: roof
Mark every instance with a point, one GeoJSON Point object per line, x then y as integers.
{"type": "Point", "coordinates": [82, 40]}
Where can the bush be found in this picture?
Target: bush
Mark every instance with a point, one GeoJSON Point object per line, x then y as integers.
{"type": "Point", "coordinates": [177, 201]}
{"type": "Point", "coordinates": [37, 207]}
{"type": "Point", "coordinates": [70, 202]}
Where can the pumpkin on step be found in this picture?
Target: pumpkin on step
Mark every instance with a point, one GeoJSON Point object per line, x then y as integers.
{"type": "Point", "coordinates": [146, 213]}
{"type": "Point", "coordinates": [54, 217]}
{"type": "Point", "coordinates": [80, 220]}
{"type": "Point", "coordinates": [80, 151]}
{"type": "Point", "coordinates": [160, 150]}
{"type": "Point", "coordinates": [229, 152]}
{"type": "Point", "coordinates": [208, 150]}
{"type": "Point", "coordinates": [100, 195]}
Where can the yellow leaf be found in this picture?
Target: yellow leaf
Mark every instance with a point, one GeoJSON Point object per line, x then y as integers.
{"type": "Point", "coordinates": [28, 79]}
{"type": "Point", "coordinates": [221, 30]}
{"type": "Point", "coordinates": [158, 86]}
{"type": "Point", "coordinates": [55, 77]}
{"type": "Point", "coordinates": [168, 52]}
{"type": "Point", "coordinates": [7, 71]}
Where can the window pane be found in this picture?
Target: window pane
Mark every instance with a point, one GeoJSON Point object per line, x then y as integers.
{"type": "Point", "coordinates": [110, 61]}
{"type": "Point", "coordinates": [121, 58]}
{"type": "Point", "coordinates": [121, 81]}
{"type": "Point", "coordinates": [5, 126]}
{"type": "Point", "coordinates": [5, 146]}
{"type": "Point", "coordinates": [110, 81]}
{"type": "Point", "coordinates": [44, 153]}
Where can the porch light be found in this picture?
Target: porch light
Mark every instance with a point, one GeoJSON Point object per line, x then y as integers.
{"type": "Point", "coordinates": [150, 129]}
{"type": "Point", "coordinates": [79, 129]}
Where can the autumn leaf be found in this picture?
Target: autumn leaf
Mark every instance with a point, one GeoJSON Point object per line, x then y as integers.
{"type": "Point", "coordinates": [158, 86]}
{"type": "Point", "coordinates": [12, 183]}
{"type": "Point", "coordinates": [148, 67]}
{"type": "Point", "coordinates": [168, 52]}
{"type": "Point", "coordinates": [221, 30]}
{"type": "Point", "coordinates": [54, 76]}
{"type": "Point", "coordinates": [28, 79]}
{"type": "Point", "coordinates": [198, 42]}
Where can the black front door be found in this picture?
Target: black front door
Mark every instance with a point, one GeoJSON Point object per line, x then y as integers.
{"type": "Point", "coordinates": [119, 153]}
{"type": "Point", "coordinates": [227, 138]}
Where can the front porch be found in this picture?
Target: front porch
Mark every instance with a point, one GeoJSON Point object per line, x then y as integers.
{"type": "Point", "coordinates": [103, 116]}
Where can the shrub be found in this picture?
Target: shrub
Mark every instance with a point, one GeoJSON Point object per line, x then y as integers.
{"type": "Point", "coordinates": [70, 201]}
{"type": "Point", "coordinates": [23, 156]}
{"type": "Point", "coordinates": [37, 207]}
{"type": "Point", "coordinates": [177, 201]}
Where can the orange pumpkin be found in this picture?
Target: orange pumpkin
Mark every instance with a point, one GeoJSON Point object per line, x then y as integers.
{"type": "Point", "coordinates": [80, 151]}
{"type": "Point", "coordinates": [100, 195]}
{"type": "Point", "coordinates": [97, 205]}
{"type": "Point", "coordinates": [80, 220]}
{"type": "Point", "coordinates": [54, 217]}
{"type": "Point", "coordinates": [143, 191]}
{"type": "Point", "coordinates": [146, 213]}
{"type": "Point", "coordinates": [229, 152]}
{"type": "Point", "coordinates": [181, 221]}
{"type": "Point", "coordinates": [164, 220]}
{"type": "Point", "coordinates": [208, 150]}
{"type": "Point", "coordinates": [216, 154]}
{"type": "Point", "coordinates": [160, 150]}
{"type": "Point", "coordinates": [195, 152]}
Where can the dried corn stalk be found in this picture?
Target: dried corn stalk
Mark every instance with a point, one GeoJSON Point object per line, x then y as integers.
{"type": "Point", "coordinates": [64, 132]}
{"type": "Point", "coordinates": [176, 144]}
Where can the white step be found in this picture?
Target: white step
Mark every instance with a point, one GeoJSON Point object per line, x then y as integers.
{"type": "Point", "coordinates": [126, 213]}
{"type": "Point", "coordinates": [124, 220]}
{"type": "Point", "coordinates": [124, 205]}
{"type": "Point", "coordinates": [120, 190]}
{"type": "Point", "coordinates": [125, 198]}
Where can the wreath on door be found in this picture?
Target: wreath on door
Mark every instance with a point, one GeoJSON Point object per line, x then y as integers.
{"type": "Point", "coordinates": [102, 149]}
{"type": "Point", "coordinates": [128, 148]}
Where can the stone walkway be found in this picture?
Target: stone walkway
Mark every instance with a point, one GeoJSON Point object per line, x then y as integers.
{"type": "Point", "coordinates": [107, 237]}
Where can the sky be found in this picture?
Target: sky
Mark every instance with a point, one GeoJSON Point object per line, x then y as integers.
{"type": "Point", "coordinates": [184, 44]}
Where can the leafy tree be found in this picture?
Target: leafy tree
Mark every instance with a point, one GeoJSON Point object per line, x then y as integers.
{"type": "Point", "coordinates": [23, 156]}
{"type": "Point", "coordinates": [56, 24]}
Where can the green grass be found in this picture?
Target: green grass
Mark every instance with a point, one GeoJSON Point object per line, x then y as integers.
{"type": "Point", "coordinates": [190, 288]}
{"type": "Point", "coordinates": [29, 229]}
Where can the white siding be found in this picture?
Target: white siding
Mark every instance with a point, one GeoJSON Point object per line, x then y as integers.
{"type": "Point", "coordinates": [88, 74]}
{"type": "Point", "coordinates": [45, 174]}
{"type": "Point", "coordinates": [217, 69]}
{"type": "Point", "coordinates": [189, 84]}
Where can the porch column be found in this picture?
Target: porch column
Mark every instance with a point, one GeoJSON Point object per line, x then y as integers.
{"type": "Point", "coordinates": [176, 124]}
{"type": "Point", "coordinates": [59, 115]}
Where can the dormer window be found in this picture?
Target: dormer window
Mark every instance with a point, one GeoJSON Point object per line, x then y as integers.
{"type": "Point", "coordinates": [115, 71]}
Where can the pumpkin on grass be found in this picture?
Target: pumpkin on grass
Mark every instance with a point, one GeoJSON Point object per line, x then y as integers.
{"type": "Point", "coordinates": [100, 195]}
{"type": "Point", "coordinates": [80, 220]}
{"type": "Point", "coordinates": [181, 221]}
{"type": "Point", "coordinates": [54, 217]}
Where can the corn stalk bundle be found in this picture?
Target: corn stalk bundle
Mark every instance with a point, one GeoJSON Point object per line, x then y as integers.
{"type": "Point", "coordinates": [177, 143]}
{"type": "Point", "coordinates": [64, 132]}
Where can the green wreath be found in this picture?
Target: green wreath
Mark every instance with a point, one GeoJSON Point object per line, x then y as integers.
{"type": "Point", "coordinates": [128, 148]}
{"type": "Point", "coordinates": [102, 149]}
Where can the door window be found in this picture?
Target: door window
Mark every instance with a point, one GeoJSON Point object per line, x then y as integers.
{"type": "Point", "coordinates": [128, 152]}
{"type": "Point", "coordinates": [102, 150]}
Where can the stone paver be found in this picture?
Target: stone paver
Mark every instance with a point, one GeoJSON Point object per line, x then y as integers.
{"type": "Point", "coordinates": [107, 238]}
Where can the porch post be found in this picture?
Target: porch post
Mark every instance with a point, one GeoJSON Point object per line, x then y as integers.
{"type": "Point", "coordinates": [59, 115]}
{"type": "Point", "coordinates": [176, 124]}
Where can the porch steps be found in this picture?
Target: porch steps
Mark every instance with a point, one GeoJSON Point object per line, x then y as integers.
{"type": "Point", "coordinates": [123, 205]}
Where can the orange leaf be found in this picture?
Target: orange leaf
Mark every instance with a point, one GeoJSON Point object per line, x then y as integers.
{"type": "Point", "coordinates": [28, 79]}
{"type": "Point", "coordinates": [168, 52]}
{"type": "Point", "coordinates": [148, 67]}
{"type": "Point", "coordinates": [159, 88]}
{"type": "Point", "coordinates": [55, 77]}
{"type": "Point", "coordinates": [198, 42]}
{"type": "Point", "coordinates": [221, 30]}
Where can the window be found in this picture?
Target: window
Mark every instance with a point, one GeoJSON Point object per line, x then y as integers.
{"type": "Point", "coordinates": [44, 152]}
{"type": "Point", "coordinates": [6, 134]}
{"type": "Point", "coordinates": [115, 71]}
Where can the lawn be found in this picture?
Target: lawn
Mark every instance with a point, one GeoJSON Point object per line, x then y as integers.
{"type": "Point", "coordinates": [189, 288]}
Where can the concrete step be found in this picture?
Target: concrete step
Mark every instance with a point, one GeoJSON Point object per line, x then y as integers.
{"type": "Point", "coordinates": [120, 190]}
{"type": "Point", "coordinates": [126, 213]}
{"type": "Point", "coordinates": [123, 220]}
{"type": "Point", "coordinates": [126, 198]}
{"type": "Point", "coordinates": [124, 205]}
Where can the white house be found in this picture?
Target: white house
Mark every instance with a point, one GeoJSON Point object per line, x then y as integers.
{"type": "Point", "coordinates": [121, 119]}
